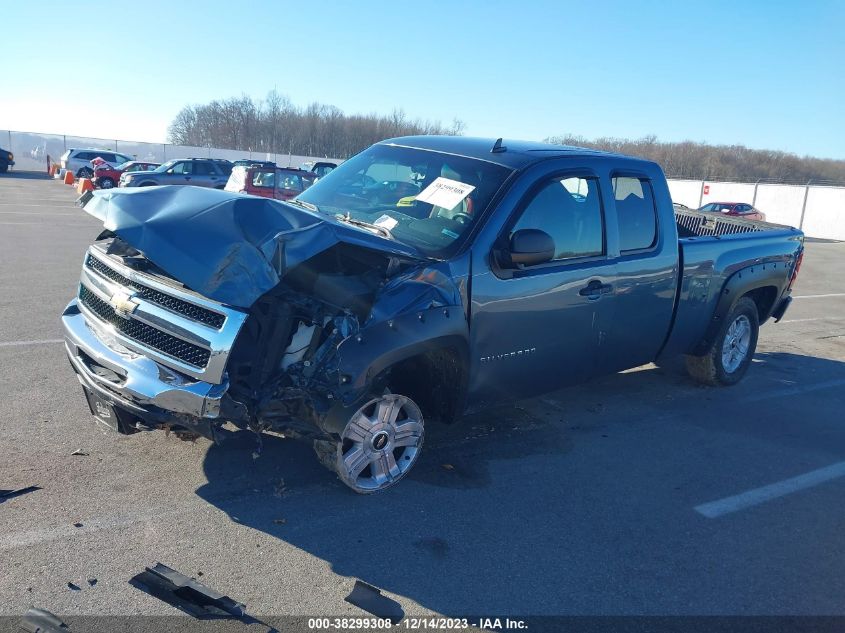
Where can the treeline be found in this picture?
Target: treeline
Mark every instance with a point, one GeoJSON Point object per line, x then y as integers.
{"type": "Point", "coordinates": [688, 159]}
{"type": "Point", "coordinates": [276, 125]}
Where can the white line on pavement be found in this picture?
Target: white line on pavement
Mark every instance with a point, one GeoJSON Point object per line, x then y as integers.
{"type": "Point", "coordinates": [832, 294]}
{"type": "Point", "coordinates": [782, 393]}
{"type": "Point", "coordinates": [830, 318]}
{"type": "Point", "coordinates": [757, 496]}
{"type": "Point", "coordinates": [44, 341]}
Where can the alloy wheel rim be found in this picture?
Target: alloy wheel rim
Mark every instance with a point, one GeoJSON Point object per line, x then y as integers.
{"type": "Point", "coordinates": [380, 443]}
{"type": "Point", "coordinates": [736, 343]}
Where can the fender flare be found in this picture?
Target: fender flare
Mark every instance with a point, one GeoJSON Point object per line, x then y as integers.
{"type": "Point", "coordinates": [362, 358]}
{"type": "Point", "coordinates": [739, 284]}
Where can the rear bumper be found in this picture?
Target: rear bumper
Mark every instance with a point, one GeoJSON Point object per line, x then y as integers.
{"type": "Point", "coordinates": [781, 308]}
{"type": "Point", "coordinates": [133, 382]}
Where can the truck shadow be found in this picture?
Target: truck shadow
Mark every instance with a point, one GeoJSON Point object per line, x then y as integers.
{"type": "Point", "coordinates": [479, 522]}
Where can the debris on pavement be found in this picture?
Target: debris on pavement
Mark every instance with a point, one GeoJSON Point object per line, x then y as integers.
{"type": "Point", "coordinates": [77, 525]}
{"type": "Point", "coordinates": [8, 494]}
{"type": "Point", "coordinates": [79, 453]}
{"type": "Point", "coordinates": [448, 467]}
{"type": "Point", "coordinates": [371, 600]}
{"type": "Point", "coordinates": [186, 594]}
{"type": "Point", "coordinates": [74, 587]}
{"type": "Point", "coordinates": [92, 582]}
{"type": "Point", "coordinates": [280, 521]}
{"type": "Point", "coordinates": [41, 621]}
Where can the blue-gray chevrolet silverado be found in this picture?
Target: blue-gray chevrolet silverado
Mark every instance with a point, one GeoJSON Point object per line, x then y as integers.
{"type": "Point", "coordinates": [423, 278]}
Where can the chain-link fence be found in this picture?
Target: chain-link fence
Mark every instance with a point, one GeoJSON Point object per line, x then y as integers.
{"type": "Point", "coordinates": [31, 150]}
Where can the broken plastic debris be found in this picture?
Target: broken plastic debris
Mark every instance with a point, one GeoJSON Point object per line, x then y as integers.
{"type": "Point", "coordinates": [186, 594]}
{"type": "Point", "coordinates": [41, 621]}
{"type": "Point", "coordinates": [371, 600]}
{"type": "Point", "coordinates": [79, 452]}
{"type": "Point", "coordinates": [74, 587]}
{"type": "Point", "coordinates": [8, 494]}
{"type": "Point", "coordinates": [92, 582]}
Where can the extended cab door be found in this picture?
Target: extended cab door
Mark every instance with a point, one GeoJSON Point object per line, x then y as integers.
{"type": "Point", "coordinates": [644, 245]}
{"type": "Point", "coordinates": [536, 328]}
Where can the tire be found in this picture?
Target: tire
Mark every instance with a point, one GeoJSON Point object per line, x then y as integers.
{"type": "Point", "coordinates": [84, 172]}
{"type": "Point", "coordinates": [378, 447]}
{"type": "Point", "coordinates": [106, 183]}
{"type": "Point", "coordinates": [727, 360]}
{"type": "Point", "coordinates": [4, 167]}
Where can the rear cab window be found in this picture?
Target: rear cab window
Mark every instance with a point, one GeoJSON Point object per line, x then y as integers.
{"type": "Point", "coordinates": [263, 178]}
{"type": "Point", "coordinates": [635, 213]}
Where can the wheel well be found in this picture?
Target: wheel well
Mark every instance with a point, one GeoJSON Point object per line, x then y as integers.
{"type": "Point", "coordinates": [764, 299]}
{"type": "Point", "coordinates": [435, 380]}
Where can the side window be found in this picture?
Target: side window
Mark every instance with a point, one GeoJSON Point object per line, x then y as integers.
{"type": "Point", "coordinates": [262, 178]}
{"type": "Point", "coordinates": [570, 211]}
{"type": "Point", "coordinates": [202, 168]}
{"type": "Point", "coordinates": [84, 156]}
{"type": "Point", "coordinates": [290, 182]}
{"type": "Point", "coordinates": [636, 213]}
{"type": "Point", "coordinates": [109, 158]}
{"type": "Point", "coordinates": [184, 169]}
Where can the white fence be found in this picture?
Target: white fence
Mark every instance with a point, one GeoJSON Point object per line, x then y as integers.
{"type": "Point", "coordinates": [32, 148]}
{"type": "Point", "coordinates": [818, 210]}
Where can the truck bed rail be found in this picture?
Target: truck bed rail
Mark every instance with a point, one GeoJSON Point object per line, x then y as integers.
{"type": "Point", "coordinates": [699, 224]}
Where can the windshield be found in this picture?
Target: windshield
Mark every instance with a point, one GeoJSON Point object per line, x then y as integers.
{"type": "Point", "coordinates": [716, 206]}
{"type": "Point", "coordinates": [422, 198]}
{"type": "Point", "coordinates": [166, 166]}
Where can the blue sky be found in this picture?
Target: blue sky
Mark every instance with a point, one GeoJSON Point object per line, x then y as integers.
{"type": "Point", "coordinates": [763, 74]}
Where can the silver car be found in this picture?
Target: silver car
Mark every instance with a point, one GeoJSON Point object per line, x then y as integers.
{"type": "Point", "coordinates": [200, 172]}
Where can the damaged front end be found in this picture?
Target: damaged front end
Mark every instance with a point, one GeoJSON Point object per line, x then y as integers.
{"type": "Point", "coordinates": [197, 308]}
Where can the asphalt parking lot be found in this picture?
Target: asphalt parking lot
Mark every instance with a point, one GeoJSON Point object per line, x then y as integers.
{"type": "Point", "coordinates": [640, 493]}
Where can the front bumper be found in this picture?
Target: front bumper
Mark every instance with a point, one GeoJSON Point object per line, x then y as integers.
{"type": "Point", "coordinates": [135, 383]}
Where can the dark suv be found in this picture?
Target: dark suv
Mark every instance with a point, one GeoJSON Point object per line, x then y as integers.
{"type": "Point", "coordinates": [200, 172]}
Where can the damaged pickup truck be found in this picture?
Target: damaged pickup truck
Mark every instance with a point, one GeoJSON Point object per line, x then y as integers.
{"type": "Point", "coordinates": [424, 277]}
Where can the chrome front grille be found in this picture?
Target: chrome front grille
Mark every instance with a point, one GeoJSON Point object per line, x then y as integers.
{"type": "Point", "coordinates": [167, 324]}
{"type": "Point", "coordinates": [190, 310]}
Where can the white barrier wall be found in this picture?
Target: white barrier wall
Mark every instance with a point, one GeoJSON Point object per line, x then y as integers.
{"type": "Point", "coordinates": [824, 213]}
{"type": "Point", "coordinates": [686, 192]}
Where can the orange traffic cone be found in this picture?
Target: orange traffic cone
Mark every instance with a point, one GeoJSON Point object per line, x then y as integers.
{"type": "Point", "coordinates": [68, 177]}
{"type": "Point", "coordinates": [84, 185]}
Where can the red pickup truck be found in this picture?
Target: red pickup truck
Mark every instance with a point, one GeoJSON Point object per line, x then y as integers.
{"type": "Point", "coordinates": [106, 176]}
{"type": "Point", "coordinates": [281, 183]}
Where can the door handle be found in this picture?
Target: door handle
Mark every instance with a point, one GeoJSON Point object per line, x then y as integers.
{"type": "Point", "coordinates": [595, 289]}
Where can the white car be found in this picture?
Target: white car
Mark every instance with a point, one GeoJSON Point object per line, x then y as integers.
{"type": "Point", "coordinates": [78, 161]}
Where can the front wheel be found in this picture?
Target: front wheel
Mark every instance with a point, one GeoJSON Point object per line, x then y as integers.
{"type": "Point", "coordinates": [380, 444]}
{"type": "Point", "coordinates": [727, 360]}
{"type": "Point", "coordinates": [106, 183]}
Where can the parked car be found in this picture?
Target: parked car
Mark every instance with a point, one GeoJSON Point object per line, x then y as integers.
{"type": "Point", "coordinates": [78, 161]}
{"type": "Point", "coordinates": [7, 159]}
{"type": "Point", "coordinates": [281, 183]}
{"type": "Point", "coordinates": [245, 162]}
{"type": "Point", "coordinates": [200, 172]}
{"type": "Point", "coordinates": [736, 209]}
{"type": "Point", "coordinates": [320, 168]}
{"type": "Point", "coordinates": [349, 322]}
{"type": "Point", "coordinates": [106, 176]}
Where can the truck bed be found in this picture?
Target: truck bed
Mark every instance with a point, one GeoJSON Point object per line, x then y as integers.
{"type": "Point", "coordinates": [700, 224]}
{"type": "Point", "coordinates": [711, 249]}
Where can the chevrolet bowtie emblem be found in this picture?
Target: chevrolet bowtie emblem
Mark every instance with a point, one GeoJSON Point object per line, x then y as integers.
{"type": "Point", "coordinates": [122, 304]}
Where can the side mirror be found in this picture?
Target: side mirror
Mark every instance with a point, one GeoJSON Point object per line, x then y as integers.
{"type": "Point", "coordinates": [531, 247]}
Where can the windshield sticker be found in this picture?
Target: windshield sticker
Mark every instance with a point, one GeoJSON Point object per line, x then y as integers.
{"type": "Point", "coordinates": [386, 222]}
{"type": "Point", "coordinates": [445, 193]}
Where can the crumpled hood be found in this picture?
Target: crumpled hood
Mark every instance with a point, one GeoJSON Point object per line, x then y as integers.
{"type": "Point", "coordinates": [228, 247]}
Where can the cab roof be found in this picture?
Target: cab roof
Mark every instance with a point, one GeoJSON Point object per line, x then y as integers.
{"type": "Point", "coordinates": [513, 154]}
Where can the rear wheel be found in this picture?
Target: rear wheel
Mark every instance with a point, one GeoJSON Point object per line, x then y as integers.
{"type": "Point", "coordinates": [84, 172]}
{"type": "Point", "coordinates": [106, 183]}
{"type": "Point", "coordinates": [727, 360]}
{"type": "Point", "coordinates": [378, 447]}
